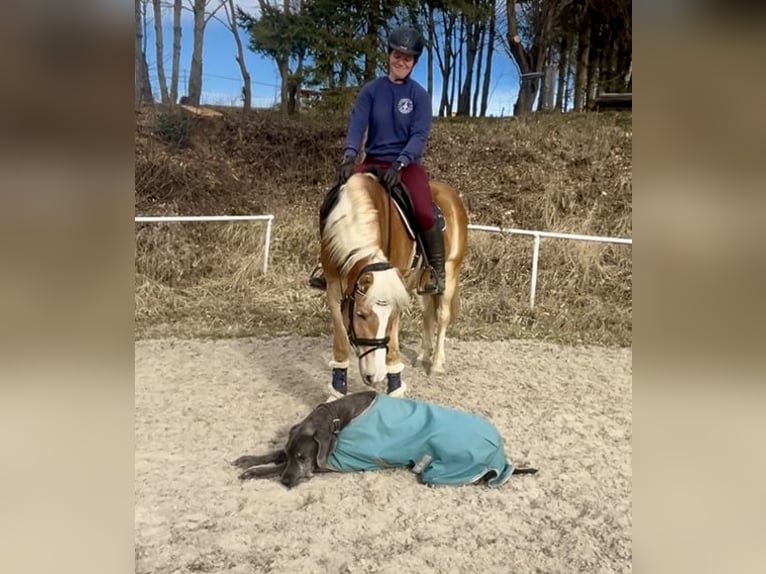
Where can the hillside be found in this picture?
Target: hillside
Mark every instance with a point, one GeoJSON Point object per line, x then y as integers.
{"type": "Point", "coordinates": [569, 173]}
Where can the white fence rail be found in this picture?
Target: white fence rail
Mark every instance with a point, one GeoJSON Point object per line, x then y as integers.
{"type": "Point", "coordinates": [267, 218]}
{"type": "Point", "coordinates": [537, 235]}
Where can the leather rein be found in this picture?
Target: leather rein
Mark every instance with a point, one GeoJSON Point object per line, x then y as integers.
{"type": "Point", "coordinates": [350, 296]}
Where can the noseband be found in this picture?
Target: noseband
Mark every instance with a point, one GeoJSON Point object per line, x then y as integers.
{"type": "Point", "coordinates": [374, 344]}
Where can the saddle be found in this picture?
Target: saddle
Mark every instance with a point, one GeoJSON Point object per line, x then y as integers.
{"type": "Point", "coordinates": [401, 198]}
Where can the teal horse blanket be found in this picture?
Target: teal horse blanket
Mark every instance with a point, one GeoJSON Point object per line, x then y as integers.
{"type": "Point", "coordinates": [443, 446]}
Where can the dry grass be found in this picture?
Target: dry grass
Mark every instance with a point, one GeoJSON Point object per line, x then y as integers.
{"type": "Point", "coordinates": [561, 173]}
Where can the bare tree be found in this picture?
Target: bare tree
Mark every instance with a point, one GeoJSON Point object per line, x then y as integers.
{"type": "Point", "coordinates": [471, 31]}
{"type": "Point", "coordinates": [143, 87]}
{"type": "Point", "coordinates": [201, 17]}
{"type": "Point", "coordinates": [195, 73]}
{"type": "Point", "coordinates": [160, 50]}
{"type": "Point", "coordinates": [530, 50]}
{"type": "Point", "coordinates": [564, 50]}
{"type": "Point", "coordinates": [581, 73]}
{"type": "Point", "coordinates": [446, 60]}
{"type": "Point", "coordinates": [490, 53]}
{"type": "Point", "coordinates": [176, 50]}
{"type": "Point", "coordinates": [231, 24]}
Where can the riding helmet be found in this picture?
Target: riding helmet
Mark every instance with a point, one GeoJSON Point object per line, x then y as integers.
{"type": "Point", "coordinates": [406, 40]}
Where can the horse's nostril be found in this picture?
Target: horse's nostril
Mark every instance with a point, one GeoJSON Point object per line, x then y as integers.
{"type": "Point", "coordinates": [369, 379]}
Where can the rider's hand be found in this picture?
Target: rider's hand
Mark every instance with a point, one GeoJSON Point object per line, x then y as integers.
{"type": "Point", "coordinates": [346, 169]}
{"type": "Point", "coordinates": [393, 174]}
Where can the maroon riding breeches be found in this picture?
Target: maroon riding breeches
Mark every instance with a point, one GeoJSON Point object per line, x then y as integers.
{"type": "Point", "coordinates": [415, 178]}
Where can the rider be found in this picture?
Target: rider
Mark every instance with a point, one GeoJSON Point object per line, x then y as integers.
{"type": "Point", "coordinates": [396, 112]}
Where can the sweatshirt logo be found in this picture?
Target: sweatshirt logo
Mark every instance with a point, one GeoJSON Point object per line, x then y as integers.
{"type": "Point", "coordinates": [405, 106]}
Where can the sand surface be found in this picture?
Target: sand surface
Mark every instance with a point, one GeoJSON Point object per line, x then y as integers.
{"type": "Point", "coordinates": [202, 403]}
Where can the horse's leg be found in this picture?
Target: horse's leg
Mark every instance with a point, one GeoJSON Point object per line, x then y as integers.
{"type": "Point", "coordinates": [394, 366]}
{"type": "Point", "coordinates": [427, 336]}
{"type": "Point", "coordinates": [339, 363]}
{"type": "Point", "coordinates": [444, 316]}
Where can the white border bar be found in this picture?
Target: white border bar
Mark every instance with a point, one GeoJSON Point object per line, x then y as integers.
{"type": "Point", "coordinates": [537, 235]}
{"type": "Point", "coordinates": [267, 218]}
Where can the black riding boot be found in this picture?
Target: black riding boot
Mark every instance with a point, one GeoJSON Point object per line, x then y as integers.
{"type": "Point", "coordinates": [433, 241]}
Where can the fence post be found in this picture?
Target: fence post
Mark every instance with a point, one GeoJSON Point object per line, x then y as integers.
{"type": "Point", "coordinates": [268, 244]}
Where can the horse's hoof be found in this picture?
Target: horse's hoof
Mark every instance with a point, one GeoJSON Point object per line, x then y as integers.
{"type": "Point", "coordinates": [399, 391]}
{"type": "Point", "coordinates": [334, 393]}
{"type": "Point", "coordinates": [437, 369]}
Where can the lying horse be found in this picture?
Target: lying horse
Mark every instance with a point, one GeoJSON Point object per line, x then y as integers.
{"type": "Point", "coordinates": [368, 253]}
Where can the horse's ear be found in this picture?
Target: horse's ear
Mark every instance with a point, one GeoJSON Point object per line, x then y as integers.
{"type": "Point", "coordinates": [365, 282]}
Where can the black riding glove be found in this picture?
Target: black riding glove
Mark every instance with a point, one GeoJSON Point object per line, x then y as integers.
{"type": "Point", "coordinates": [346, 169]}
{"type": "Point", "coordinates": [393, 174]}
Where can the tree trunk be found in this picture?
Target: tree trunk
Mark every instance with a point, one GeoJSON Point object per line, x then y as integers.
{"type": "Point", "coordinates": [581, 75]}
{"type": "Point", "coordinates": [471, 39]}
{"type": "Point", "coordinates": [446, 67]}
{"type": "Point", "coordinates": [371, 58]}
{"type": "Point", "coordinates": [528, 87]}
{"type": "Point", "coordinates": [246, 87]}
{"type": "Point", "coordinates": [176, 51]}
{"type": "Point", "coordinates": [296, 79]}
{"type": "Point", "coordinates": [479, 65]}
{"type": "Point", "coordinates": [146, 97]}
{"type": "Point", "coordinates": [284, 76]}
{"type": "Point", "coordinates": [431, 27]}
{"type": "Point", "coordinates": [293, 103]}
{"type": "Point", "coordinates": [459, 39]}
{"type": "Point", "coordinates": [548, 91]}
{"type": "Point", "coordinates": [490, 52]}
{"type": "Point", "coordinates": [195, 74]}
{"type": "Point", "coordinates": [593, 74]}
{"type": "Point", "coordinates": [570, 82]}
{"type": "Point", "coordinates": [159, 45]}
{"type": "Point", "coordinates": [143, 85]}
{"type": "Point", "coordinates": [563, 67]}
{"type": "Point", "coordinates": [138, 56]}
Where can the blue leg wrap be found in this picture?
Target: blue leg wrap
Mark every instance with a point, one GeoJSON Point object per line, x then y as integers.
{"type": "Point", "coordinates": [339, 380]}
{"type": "Point", "coordinates": [394, 382]}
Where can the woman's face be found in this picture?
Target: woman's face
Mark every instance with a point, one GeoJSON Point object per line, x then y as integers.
{"type": "Point", "coordinates": [399, 65]}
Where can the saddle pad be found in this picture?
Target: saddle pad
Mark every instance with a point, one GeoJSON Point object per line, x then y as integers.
{"type": "Point", "coordinates": [445, 446]}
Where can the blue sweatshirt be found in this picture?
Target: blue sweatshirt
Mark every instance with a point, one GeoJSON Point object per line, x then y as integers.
{"type": "Point", "coordinates": [398, 117]}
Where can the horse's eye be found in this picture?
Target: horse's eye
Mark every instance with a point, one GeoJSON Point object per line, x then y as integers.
{"type": "Point", "coordinates": [361, 314]}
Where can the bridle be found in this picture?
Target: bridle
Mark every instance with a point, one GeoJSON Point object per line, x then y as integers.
{"type": "Point", "coordinates": [353, 289]}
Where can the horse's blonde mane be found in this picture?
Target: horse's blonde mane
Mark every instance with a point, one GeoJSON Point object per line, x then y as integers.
{"type": "Point", "coordinates": [352, 233]}
{"type": "Point", "coordinates": [351, 230]}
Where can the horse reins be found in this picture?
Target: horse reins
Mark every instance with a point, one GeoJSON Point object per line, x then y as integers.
{"type": "Point", "coordinates": [353, 288]}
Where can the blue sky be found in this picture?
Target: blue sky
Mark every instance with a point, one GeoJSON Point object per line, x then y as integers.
{"type": "Point", "coordinates": [222, 82]}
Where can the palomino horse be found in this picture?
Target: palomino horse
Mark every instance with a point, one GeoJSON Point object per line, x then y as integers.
{"type": "Point", "coordinates": [367, 255]}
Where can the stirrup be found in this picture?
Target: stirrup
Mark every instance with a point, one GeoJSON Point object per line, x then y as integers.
{"type": "Point", "coordinates": [430, 287]}
{"type": "Point", "coordinates": [317, 280]}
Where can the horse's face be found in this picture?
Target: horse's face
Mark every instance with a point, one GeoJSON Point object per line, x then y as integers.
{"type": "Point", "coordinates": [367, 320]}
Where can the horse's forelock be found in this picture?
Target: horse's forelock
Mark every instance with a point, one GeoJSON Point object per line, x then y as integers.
{"type": "Point", "coordinates": [388, 286]}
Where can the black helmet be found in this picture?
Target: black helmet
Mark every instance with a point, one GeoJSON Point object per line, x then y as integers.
{"type": "Point", "coordinates": [406, 40]}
